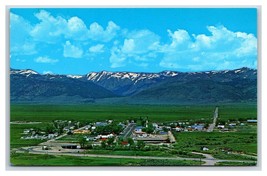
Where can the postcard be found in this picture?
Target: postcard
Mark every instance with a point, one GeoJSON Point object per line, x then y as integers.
{"type": "Point", "coordinates": [133, 87]}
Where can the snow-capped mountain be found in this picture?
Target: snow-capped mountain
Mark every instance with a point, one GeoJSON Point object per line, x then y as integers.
{"type": "Point", "coordinates": [129, 83]}
{"type": "Point", "coordinates": [229, 85]}
{"type": "Point", "coordinates": [26, 72]}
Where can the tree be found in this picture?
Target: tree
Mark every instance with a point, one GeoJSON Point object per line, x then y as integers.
{"type": "Point", "coordinates": [110, 140]}
{"type": "Point", "coordinates": [140, 144]}
{"type": "Point", "coordinates": [82, 142]}
{"type": "Point", "coordinates": [165, 129]}
{"type": "Point", "coordinates": [49, 129]}
{"type": "Point", "coordinates": [103, 144]}
{"type": "Point", "coordinates": [130, 141]}
{"type": "Point", "coordinates": [173, 125]}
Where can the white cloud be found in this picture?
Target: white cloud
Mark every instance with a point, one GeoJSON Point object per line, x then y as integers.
{"type": "Point", "coordinates": [72, 51]}
{"type": "Point", "coordinates": [97, 32]}
{"type": "Point", "coordinates": [117, 59]}
{"type": "Point", "coordinates": [137, 46]}
{"type": "Point", "coordinates": [223, 49]}
{"type": "Point", "coordinates": [128, 46]}
{"type": "Point", "coordinates": [99, 48]}
{"type": "Point", "coordinates": [180, 39]}
{"type": "Point", "coordinates": [45, 59]}
{"type": "Point", "coordinates": [76, 29]}
{"type": "Point", "coordinates": [50, 28]}
{"type": "Point", "coordinates": [20, 42]}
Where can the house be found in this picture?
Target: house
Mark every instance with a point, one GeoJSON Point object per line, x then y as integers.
{"type": "Point", "coordinates": [72, 127]}
{"type": "Point", "coordinates": [97, 124]}
{"type": "Point", "coordinates": [90, 138]}
{"type": "Point", "coordinates": [232, 125]}
{"type": "Point", "coordinates": [124, 143]}
{"type": "Point", "coordinates": [205, 148]}
{"type": "Point", "coordinates": [252, 121]}
{"type": "Point", "coordinates": [138, 130]}
{"type": "Point", "coordinates": [81, 131]}
{"type": "Point", "coordinates": [220, 126]}
{"type": "Point", "coordinates": [178, 129]}
{"type": "Point", "coordinates": [198, 127]}
{"type": "Point", "coordinates": [104, 136]}
{"type": "Point", "coordinates": [70, 146]}
{"type": "Point", "coordinates": [26, 131]}
{"type": "Point", "coordinates": [155, 125]}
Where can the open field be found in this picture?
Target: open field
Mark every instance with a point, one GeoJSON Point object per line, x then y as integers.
{"type": "Point", "coordinates": [235, 164]}
{"type": "Point", "coordinates": [155, 113]}
{"type": "Point", "coordinates": [16, 131]}
{"type": "Point", "coordinates": [219, 143]}
{"type": "Point", "coordinates": [24, 159]}
{"type": "Point", "coordinates": [241, 141]}
{"type": "Point", "coordinates": [159, 153]}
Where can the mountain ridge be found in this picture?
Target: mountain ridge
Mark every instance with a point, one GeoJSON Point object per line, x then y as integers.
{"type": "Point", "coordinates": [207, 86]}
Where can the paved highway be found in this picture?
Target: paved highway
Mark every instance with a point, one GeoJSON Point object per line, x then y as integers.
{"type": "Point", "coordinates": [128, 130]}
{"type": "Point", "coordinates": [215, 117]}
{"type": "Point", "coordinates": [209, 160]}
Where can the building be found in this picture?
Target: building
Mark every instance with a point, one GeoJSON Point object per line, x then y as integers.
{"type": "Point", "coordinates": [154, 139]}
{"type": "Point", "coordinates": [198, 127]}
{"type": "Point", "coordinates": [220, 126]}
{"type": "Point", "coordinates": [81, 131]}
{"type": "Point", "coordinates": [252, 121]}
{"type": "Point", "coordinates": [70, 146]}
{"type": "Point", "coordinates": [138, 130]}
{"type": "Point", "coordinates": [97, 124]}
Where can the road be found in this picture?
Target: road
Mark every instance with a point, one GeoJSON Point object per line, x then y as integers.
{"type": "Point", "coordinates": [128, 130]}
{"type": "Point", "coordinates": [209, 160]}
{"type": "Point", "coordinates": [215, 117]}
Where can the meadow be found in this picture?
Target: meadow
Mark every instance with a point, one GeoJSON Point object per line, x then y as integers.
{"type": "Point", "coordinates": [155, 113]}
{"type": "Point", "coordinates": [24, 159]}
{"type": "Point", "coordinates": [244, 140]}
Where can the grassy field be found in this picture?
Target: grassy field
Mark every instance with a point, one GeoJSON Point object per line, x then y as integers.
{"type": "Point", "coordinates": [243, 140]}
{"type": "Point", "coordinates": [21, 159]}
{"type": "Point", "coordinates": [236, 164]}
{"type": "Point", "coordinates": [219, 143]}
{"type": "Point", "coordinates": [154, 153]}
{"type": "Point", "coordinates": [16, 131]}
{"type": "Point", "coordinates": [156, 113]}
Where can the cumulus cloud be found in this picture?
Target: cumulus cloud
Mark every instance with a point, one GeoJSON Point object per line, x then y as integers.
{"type": "Point", "coordinates": [222, 49]}
{"type": "Point", "coordinates": [20, 42]}
{"type": "Point", "coordinates": [99, 48]}
{"type": "Point", "coordinates": [98, 33]}
{"type": "Point", "coordinates": [219, 48]}
{"type": "Point", "coordinates": [50, 29]}
{"type": "Point", "coordinates": [72, 51]}
{"type": "Point", "coordinates": [45, 59]}
{"type": "Point", "coordinates": [138, 46]}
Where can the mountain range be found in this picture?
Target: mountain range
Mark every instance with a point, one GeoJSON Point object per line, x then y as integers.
{"type": "Point", "coordinates": [238, 85]}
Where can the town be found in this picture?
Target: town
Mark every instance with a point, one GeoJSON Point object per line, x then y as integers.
{"type": "Point", "coordinates": [138, 133]}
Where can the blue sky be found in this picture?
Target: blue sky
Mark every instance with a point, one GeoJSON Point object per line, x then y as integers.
{"type": "Point", "coordinates": [78, 41]}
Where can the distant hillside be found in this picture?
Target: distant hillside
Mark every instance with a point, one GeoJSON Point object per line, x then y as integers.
{"type": "Point", "coordinates": [239, 85]}
{"type": "Point", "coordinates": [28, 85]}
